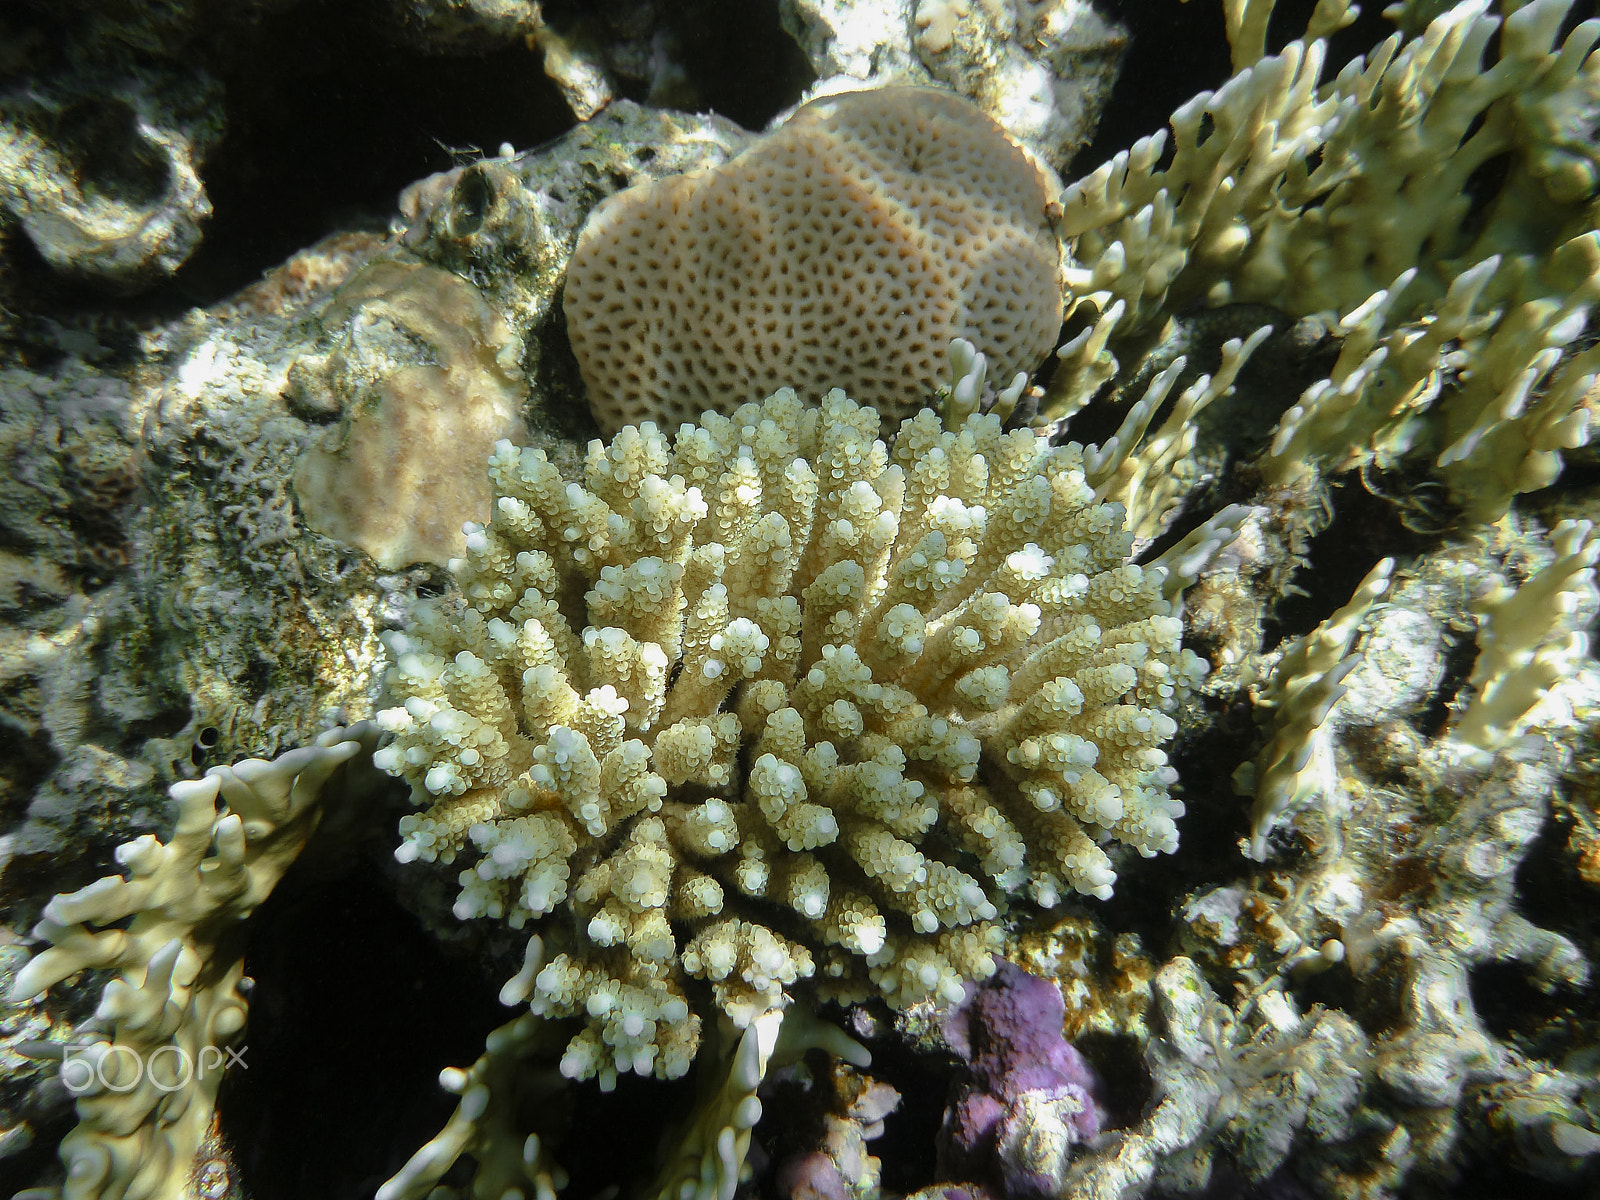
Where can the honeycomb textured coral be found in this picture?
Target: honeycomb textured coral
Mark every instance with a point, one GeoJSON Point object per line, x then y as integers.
{"type": "Point", "coordinates": [822, 706]}
{"type": "Point", "coordinates": [847, 248]}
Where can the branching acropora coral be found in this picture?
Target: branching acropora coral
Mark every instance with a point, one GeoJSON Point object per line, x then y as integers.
{"type": "Point", "coordinates": [773, 701]}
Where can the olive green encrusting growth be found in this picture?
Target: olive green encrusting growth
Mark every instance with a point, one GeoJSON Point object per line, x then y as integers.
{"type": "Point", "coordinates": [773, 701]}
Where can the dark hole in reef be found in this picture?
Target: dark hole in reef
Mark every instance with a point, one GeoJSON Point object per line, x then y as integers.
{"type": "Point", "coordinates": [745, 66]}
{"type": "Point", "coordinates": [615, 1135]}
{"type": "Point", "coordinates": [1215, 818]}
{"type": "Point", "coordinates": [258, 676]}
{"type": "Point", "coordinates": [469, 202]}
{"type": "Point", "coordinates": [793, 1100]}
{"type": "Point", "coordinates": [112, 158]}
{"type": "Point", "coordinates": [1097, 421]}
{"type": "Point", "coordinates": [1580, 474]}
{"type": "Point", "coordinates": [1288, 21]}
{"type": "Point", "coordinates": [1460, 656]}
{"type": "Point", "coordinates": [354, 1011]}
{"type": "Point", "coordinates": [1379, 1004]}
{"type": "Point", "coordinates": [1491, 45]}
{"type": "Point", "coordinates": [1473, 126]}
{"type": "Point", "coordinates": [1226, 1183]}
{"type": "Point", "coordinates": [1511, 1006]}
{"type": "Point", "coordinates": [1482, 189]}
{"type": "Point", "coordinates": [1550, 892]}
{"type": "Point", "coordinates": [1042, 374]}
{"type": "Point", "coordinates": [1365, 528]}
{"type": "Point", "coordinates": [46, 1107]}
{"type": "Point", "coordinates": [26, 761]}
{"type": "Point", "coordinates": [1126, 1089]}
{"type": "Point", "coordinates": [320, 139]}
{"type": "Point", "coordinates": [1578, 13]}
{"type": "Point", "coordinates": [164, 724]}
{"type": "Point", "coordinates": [729, 56]}
{"type": "Point", "coordinates": [1315, 202]}
{"type": "Point", "coordinates": [36, 1163]}
{"type": "Point", "coordinates": [1497, 1175]}
{"type": "Point", "coordinates": [911, 1132]}
{"type": "Point", "coordinates": [566, 410]}
{"type": "Point", "coordinates": [1334, 988]}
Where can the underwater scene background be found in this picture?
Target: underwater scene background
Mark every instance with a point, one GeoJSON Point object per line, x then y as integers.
{"type": "Point", "coordinates": [805, 599]}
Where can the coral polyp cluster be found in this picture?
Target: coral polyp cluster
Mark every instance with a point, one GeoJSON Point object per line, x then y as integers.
{"type": "Point", "coordinates": [774, 701]}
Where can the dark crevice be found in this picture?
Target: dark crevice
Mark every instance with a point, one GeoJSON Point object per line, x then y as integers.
{"type": "Point", "coordinates": [911, 1132]}
{"type": "Point", "coordinates": [320, 139]}
{"type": "Point", "coordinates": [113, 158]}
{"type": "Point", "coordinates": [1460, 655]}
{"type": "Point", "coordinates": [1127, 1092]}
{"type": "Point", "coordinates": [1365, 528]}
{"type": "Point", "coordinates": [1215, 818]}
{"type": "Point", "coordinates": [325, 122]}
{"type": "Point", "coordinates": [725, 56]}
{"type": "Point", "coordinates": [1551, 893]}
{"type": "Point", "coordinates": [1482, 189]}
{"type": "Point", "coordinates": [165, 724]}
{"type": "Point", "coordinates": [354, 1011]}
{"type": "Point", "coordinates": [27, 757]}
{"type": "Point", "coordinates": [1511, 1007]}
{"type": "Point", "coordinates": [614, 1136]}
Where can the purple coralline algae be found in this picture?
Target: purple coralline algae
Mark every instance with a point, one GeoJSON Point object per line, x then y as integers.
{"type": "Point", "coordinates": [1028, 1098]}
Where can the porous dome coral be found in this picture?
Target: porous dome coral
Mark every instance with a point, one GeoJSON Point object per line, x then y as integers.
{"type": "Point", "coordinates": [773, 701]}
{"type": "Point", "coordinates": [847, 248]}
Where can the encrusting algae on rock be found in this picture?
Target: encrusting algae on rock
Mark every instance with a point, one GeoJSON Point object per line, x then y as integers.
{"type": "Point", "coordinates": [774, 701]}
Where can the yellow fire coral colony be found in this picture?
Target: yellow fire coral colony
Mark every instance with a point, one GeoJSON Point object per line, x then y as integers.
{"type": "Point", "coordinates": [152, 1057]}
{"type": "Point", "coordinates": [1460, 294]}
{"type": "Point", "coordinates": [773, 701]}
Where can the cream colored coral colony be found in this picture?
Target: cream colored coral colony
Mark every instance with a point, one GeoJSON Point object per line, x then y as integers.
{"type": "Point", "coordinates": [772, 701]}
